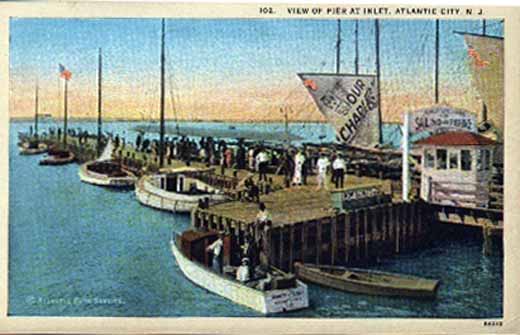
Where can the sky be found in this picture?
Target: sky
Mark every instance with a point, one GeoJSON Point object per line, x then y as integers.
{"type": "Point", "coordinates": [230, 69]}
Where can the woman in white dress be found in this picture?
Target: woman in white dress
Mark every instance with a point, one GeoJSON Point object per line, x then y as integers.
{"type": "Point", "coordinates": [299, 160]}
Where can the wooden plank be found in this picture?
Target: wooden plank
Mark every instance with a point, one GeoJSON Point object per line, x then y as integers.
{"type": "Point", "coordinates": [398, 228]}
{"type": "Point", "coordinates": [304, 240]}
{"type": "Point", "coordinates": [357, 224]}
{"type": "Point", "coordinates": [291, 247]}
{"type": "Point", "coordinates": [347, 224]}
{"type": "Point", "coordinates": [281, 247]}
{"type": "Point", "coordinates": [365, 226]}
{"type": "Point", "coordinates": [318, 241]}
{"type": "Point", "coordinates": [333, 239]}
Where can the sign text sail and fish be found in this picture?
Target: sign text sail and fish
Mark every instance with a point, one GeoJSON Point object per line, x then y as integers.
{"type": "Point", "coordinates": [350, 104]}
{"type": "Point", "coordinates": [438, 119]}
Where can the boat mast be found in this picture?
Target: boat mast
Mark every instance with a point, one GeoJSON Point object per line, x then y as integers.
{"type": "Point", "coordinates": [36, 111]}
{"type": "Point", "coordinates": [161, 138]}
{"type": "Point", "coordinates": [378, 75]}
{"type": "Point", "coordinates": [356, 47]}
{"type": "Point", "coordinates": [338, 47]}
{"type": "Point", "coordinates": [437, 61]}
{"type": "Point", "coordinates": [100, 62]}
{"type": "Point", "coordinates": [65, 116]}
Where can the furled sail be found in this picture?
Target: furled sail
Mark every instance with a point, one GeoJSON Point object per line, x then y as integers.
{"type": "Point", "coordinates": [350, 104]}
{"type": "Point", "coordinates": [486, 61]}
{"type": "Point", "coordinates": [107, 152]}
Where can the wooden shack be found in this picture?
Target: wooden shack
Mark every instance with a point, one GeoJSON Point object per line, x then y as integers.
{"type": "Point", "coordinates": [457, 169]}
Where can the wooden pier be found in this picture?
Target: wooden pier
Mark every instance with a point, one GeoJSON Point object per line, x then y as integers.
{"type": "Point", "coordinates": [307, 228]}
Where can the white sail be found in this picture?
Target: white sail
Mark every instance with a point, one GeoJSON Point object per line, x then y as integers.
{"type": "Point", "coordinates": [486, 61]}
{"type": "Point", "coordinates": [350, 103]}
{"type": "Point", "coordinates": [107, 152]}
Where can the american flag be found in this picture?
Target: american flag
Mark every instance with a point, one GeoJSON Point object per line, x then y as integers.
{"type": "Point", "coordinates": [64, 73]}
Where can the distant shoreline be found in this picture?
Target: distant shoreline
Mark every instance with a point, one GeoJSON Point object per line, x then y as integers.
{"type": "Point", "coordinates": [24, 119]}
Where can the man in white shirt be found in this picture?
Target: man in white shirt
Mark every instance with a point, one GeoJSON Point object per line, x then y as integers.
{"type": "Point", "coordinates": [216, 248]}
{"type": "Point", "coordinates": [262, 159]}
{"type": "Point", "coordinates": [322, 165]}
{"type": "Point", "coordinates": [339, 167]}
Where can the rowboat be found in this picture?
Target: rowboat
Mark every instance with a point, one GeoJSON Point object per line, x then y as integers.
{"type": "Point", "coordinates": [106, 172]}
{"type": "Point", "coordinates": [58, 157]}
{"type": "Point", "coordinates": [31, 148]}
{"type": "Point", "coordinates": [367, 281]}
{"type": "Point", "coordinates": [177, 190]}
{"type": "Point", "coordinates": [283, 292]}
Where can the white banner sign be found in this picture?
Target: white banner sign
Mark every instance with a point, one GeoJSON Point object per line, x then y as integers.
{"type": "Point", "coordinates": [442, 119]}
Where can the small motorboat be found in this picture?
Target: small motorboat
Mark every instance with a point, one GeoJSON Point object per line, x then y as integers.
{"type": "Point", "coordinates": [32, 148]}
{"type": "Point", "coordinates": [367, 281]}
{"type": "Point", "coordinates": [274, 292]}
{"type": "Point", "coordinates": [58, 157]}
{"type": "Point", "coordinates": [177, 190]}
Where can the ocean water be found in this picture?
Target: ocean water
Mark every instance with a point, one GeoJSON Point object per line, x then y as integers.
{"type": "Point", "coordinates": [80, 250]}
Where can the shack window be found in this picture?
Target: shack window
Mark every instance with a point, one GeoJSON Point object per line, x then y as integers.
{"type": "Point", "coordinates": [454, 160]}
{"type": "Point", "coordinates": [429, 161]}
{"type": "Point", "coordinates": [441, 159]}
{"type": "Point", "coordinates": [465, 160]}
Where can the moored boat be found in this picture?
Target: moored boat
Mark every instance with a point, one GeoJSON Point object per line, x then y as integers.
{"type": "Point", "coordinates": [367, 281]}
{"type": "Point", "coordinates": [32, 148]}
{"type": "Point", "coordinates": [275, 293]}
{"type": "Point", "coordinates": [177, 190]}
{"type": "Point", "coordinates": [106, 172]}
{"type": "Point", "coordinates": [58, 157]}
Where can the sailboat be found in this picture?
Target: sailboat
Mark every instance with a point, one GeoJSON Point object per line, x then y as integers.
{"type": "Point", "coordinates": [350, 102]}
{"type": "Point", "coordinates": [61, 155]}
{"type": "Point", "coordinates": [174, 190]}
{"type": "Point", "coordinates": [105, 171]}
{"type": "Point", "coordinates": [31, 145]}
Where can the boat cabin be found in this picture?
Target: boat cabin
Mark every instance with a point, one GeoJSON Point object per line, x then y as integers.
{"type": "Point", "coordinates": [185, 181]}
{"type": "Point", "coordinates": [456, 168]}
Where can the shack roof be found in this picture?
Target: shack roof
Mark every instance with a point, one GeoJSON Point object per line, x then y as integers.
{"type": "Point", "coordinates": [456, 138]}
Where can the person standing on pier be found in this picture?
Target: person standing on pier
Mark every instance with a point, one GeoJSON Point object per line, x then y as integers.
{"type": "Point", "coordinates": [322, 164]}
{"type": "Point", "coordinates": [339, 167]}
{"type": "Point", "coordinates": [216, 248]}
{"type": "Point", "coordinates": [262, 159]}
{"type": "Point", "coordinates": [299, 161]}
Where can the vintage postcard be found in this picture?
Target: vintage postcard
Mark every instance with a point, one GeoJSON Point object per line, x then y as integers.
{"type": "Point", "coordinates": [196, 168]}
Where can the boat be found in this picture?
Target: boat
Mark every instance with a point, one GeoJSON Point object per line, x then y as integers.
{"type": "Point", "coordinates": [29, 144]}
{"type": "Point", "coordinates": [58, 157]}
{"type": "Point", "coordinates": [177, 190]}
{"type": "Point", "coordinates": [106, 172]}
{"type": "Point", "coordinates": [282, 293]}
{"type": "Point", "coordinates": [367, 281]}
{"type": "Point", "coordinates": [32, 148]}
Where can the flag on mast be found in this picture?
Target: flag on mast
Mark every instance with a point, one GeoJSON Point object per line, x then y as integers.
{"type": "Point", "coordinates": [64, 73]}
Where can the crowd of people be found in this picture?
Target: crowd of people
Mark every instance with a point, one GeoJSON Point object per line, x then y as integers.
{"type": "Point", "coordinates": [254, 261]}
{"type": "Point", "coordinates": [295, 164]}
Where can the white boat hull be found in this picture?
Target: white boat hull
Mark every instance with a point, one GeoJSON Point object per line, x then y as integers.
{"type": "Point", "coordinates": [265, 302]}
{"type": "Point", "coordinates": [102, 180]}
{"type": "Point", "coordinates": [155, 197]}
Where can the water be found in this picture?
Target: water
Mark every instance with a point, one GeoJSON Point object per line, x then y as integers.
{"type": "Point", "coordinates": [80, 250]}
